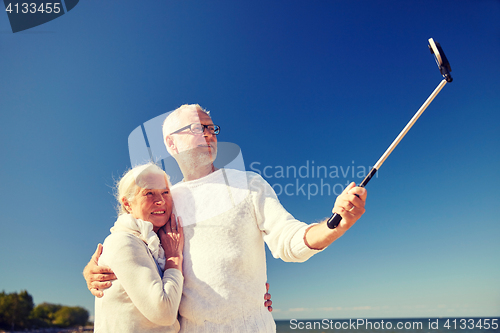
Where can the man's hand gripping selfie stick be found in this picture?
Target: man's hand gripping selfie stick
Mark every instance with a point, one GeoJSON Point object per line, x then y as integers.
{"type": "Point", "coordinates": [445, 69]}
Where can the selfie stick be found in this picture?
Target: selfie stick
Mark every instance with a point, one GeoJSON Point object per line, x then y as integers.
{"type": "Point", "coordinates": [445, 69]}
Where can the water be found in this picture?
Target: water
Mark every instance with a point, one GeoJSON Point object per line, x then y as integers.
{"type": "Point", "coordinates": [400, 325]}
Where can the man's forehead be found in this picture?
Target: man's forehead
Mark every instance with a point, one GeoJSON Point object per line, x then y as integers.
{"type": "Point", "coordinates": [194, 116]}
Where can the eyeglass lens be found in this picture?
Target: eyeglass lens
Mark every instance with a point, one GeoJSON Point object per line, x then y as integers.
{"type": "Point", "coordinates": [199, 128]}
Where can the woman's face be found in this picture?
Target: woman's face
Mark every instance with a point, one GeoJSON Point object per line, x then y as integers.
{"type": "Point", "coordinates": [153, 205]}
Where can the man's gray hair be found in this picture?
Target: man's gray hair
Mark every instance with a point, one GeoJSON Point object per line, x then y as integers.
{"type": "Point", "coordinates": [173, 121]}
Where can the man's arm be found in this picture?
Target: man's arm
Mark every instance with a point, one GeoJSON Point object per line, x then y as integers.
{"type": "Point", "coordinates": [350, 204]}
{"type": "Point", "coordinates": [97, 277]}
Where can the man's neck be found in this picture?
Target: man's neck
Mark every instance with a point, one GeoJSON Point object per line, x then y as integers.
{"type": "Point", "coordinates": [191, 172]}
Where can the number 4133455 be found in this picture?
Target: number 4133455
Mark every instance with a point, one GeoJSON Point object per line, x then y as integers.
{"type": "Point", "coordinates": [472, 324]}
{"type": "Point", "coordinates": [25, 8]}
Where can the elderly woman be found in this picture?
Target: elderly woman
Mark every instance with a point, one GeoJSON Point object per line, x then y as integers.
{"type": "Point", "coordinates": [145, 252]}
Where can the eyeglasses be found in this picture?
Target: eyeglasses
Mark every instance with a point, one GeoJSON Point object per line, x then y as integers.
{"type": "Point", "coordinates": [197, 128]}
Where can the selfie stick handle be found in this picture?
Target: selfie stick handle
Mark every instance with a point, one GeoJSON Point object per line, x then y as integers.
{"type": "Point", "coordinates": [335, 219]}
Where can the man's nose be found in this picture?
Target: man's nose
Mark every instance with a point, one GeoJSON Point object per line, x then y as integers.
{"type": "Point", "coordinates": [208, 135]}
{"type": "Point", "coordinates": [206, 131]}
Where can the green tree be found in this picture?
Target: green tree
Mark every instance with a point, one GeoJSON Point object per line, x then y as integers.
{"type": "Point", "coordinates": [43, 315]}
{"type": "Point", "coordinates": [47, 314]}
{"type": "Point", "coordinates": [3, 320]}
{"type": "Point", "coordinates": [15, 309]}
{"type": "Point", "coordinates": [71, 316]}
{"type": "Point", "coordinates": [17, 312]}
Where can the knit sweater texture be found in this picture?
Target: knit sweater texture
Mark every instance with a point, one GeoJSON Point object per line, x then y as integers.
{"type": "Point", "coordinates": [139, 301]}
{"type": "Point", "coordinates": [228, 216]}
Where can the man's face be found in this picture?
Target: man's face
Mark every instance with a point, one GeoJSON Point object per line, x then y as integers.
{"type": "Point", "coordinates": [200, 144]}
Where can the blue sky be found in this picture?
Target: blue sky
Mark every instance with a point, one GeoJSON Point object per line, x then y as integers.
{"type": "Point", "coordinates": [293, 83]}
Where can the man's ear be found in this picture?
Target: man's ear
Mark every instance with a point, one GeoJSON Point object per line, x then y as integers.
{"type": "Point", "coordinates": [170, 145]}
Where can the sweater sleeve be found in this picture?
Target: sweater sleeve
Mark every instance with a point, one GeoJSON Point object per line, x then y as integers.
{"type": "Point", "coordinates": [283, 234]}
{"type": "Point", "coordinates": [156, 298]}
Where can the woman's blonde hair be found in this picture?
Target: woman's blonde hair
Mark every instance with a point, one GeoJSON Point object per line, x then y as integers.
{"type": "Point", "coordinates": [128, 184]}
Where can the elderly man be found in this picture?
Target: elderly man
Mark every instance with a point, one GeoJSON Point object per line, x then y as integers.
{"type": "Point", "coordinates": [228, 215]}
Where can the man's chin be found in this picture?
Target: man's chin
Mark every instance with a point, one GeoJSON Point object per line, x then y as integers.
{"type": "Point", "coordinates": [213, 153]}
{"type": "Point", "coordinates": [199, 155]}
{"type": "Point", "coordinates": [209, 152]}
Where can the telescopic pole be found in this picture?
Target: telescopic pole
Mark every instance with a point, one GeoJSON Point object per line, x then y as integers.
{"type": "Point", "coordinates": [445, 69]}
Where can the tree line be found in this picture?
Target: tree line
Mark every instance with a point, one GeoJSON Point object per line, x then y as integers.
{"type": "Point", "coordinates": [17, 311]}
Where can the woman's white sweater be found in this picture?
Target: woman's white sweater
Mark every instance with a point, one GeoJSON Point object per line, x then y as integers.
{"type": "Point", "coordinates": [139, 300]}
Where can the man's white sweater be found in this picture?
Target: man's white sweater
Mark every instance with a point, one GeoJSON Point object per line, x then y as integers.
{"type": "Point", "coordinates": [227, 217]}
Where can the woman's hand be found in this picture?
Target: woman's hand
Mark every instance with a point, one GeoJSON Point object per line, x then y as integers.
{"type": "Point", "coordinates": [172, 240]}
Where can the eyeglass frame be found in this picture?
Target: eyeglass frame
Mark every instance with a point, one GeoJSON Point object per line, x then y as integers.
{"type": "Point", "coordinates": [216, 129]}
